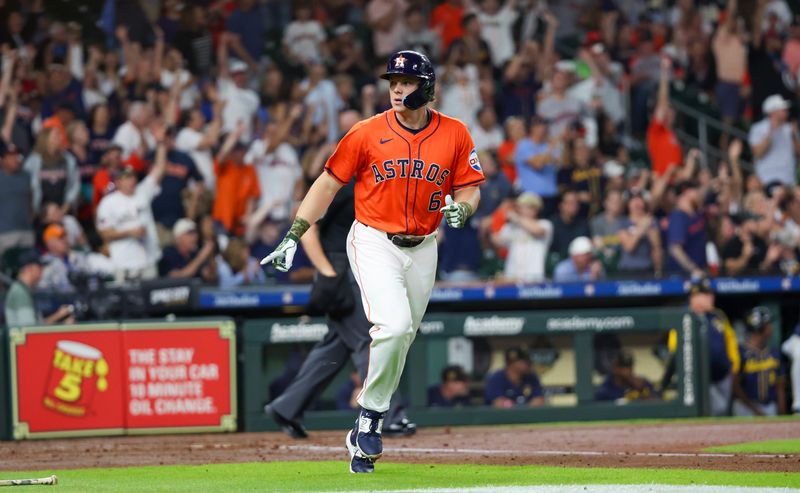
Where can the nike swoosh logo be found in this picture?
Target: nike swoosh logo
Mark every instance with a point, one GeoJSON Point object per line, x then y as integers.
{"type": "Point", "coordinates": [385, 141]}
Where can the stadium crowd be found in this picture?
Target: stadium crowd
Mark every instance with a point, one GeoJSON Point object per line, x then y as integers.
{"type": "Point", "coordinates": [177, 141]}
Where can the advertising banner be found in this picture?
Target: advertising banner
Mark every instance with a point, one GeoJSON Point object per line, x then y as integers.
{"type": "Point", "coordinates": [67, 380]}
{"type": "Point", "coordinates": [179, 377]}
{"type": "Point", "coordinates": [108, 380]}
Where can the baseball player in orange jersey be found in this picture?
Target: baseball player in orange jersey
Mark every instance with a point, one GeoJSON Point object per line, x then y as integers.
{"type": "Point", "coordinates": [409, 163]}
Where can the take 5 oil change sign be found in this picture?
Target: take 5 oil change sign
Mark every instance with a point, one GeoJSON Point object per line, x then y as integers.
{"type": "Point", "coordinates": [67, 381]}
{"type": "Point", "coordinates": [111, 379]}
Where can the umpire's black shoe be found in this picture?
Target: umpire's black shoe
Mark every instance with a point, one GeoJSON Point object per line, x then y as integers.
{"type": "Point", "coordinates": [402, 428]}
{"type": "Point", "coordinates": [292, 428]}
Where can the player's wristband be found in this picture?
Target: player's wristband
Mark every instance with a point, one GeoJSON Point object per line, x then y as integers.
{"type": "Point", "coordinates": [299, 226]}
{"type": "Point", "coordinates": [467, 209]}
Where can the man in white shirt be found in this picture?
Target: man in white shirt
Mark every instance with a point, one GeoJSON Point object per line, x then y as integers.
{"type": "Point", "coordinates": [303, 37]}
{"type": "Point", "coordinates": [775, 143]}
{"type": "Point", "coordinates": [528, 239]}
{"type": "Point", "coordinates": [133, 136]}
{"type": "Point", "coordinates": [323, 99]}
{"type": "Point", "coordinates": [125, 219]}
{"type": "Point", "coordinates": [278, 169]}
{"type": "Point", "coordinates": [487, 134]}
{"type": "Point", "coordinates": [559, 107]}
{"type": "Point", "coordinates": [496, 28]}
{"type": "Point", "coordinates": [197, 142]}
{"type": "Point", "coordinates": [241, 102]}
{"type": "Point", "coordinates": [174, 73]}
{"type": "Point", "coordinates": [600, 87]}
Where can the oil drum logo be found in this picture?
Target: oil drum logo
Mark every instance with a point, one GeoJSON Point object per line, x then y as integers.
{"type": "Point", "coordinates": [76, 370]}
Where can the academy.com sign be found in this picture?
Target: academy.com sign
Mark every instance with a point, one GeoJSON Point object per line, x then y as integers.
{"type": "Point", "coordinates": [590, 323]}
{"type": "Point", "coordinates": [492, 326]}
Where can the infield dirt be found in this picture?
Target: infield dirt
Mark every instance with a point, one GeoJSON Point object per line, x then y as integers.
{"type": "Point", "coordinates": [678, 445]}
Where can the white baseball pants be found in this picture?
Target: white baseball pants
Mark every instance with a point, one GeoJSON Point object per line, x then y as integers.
{"type": "Point", "coordinates": [396, 285]}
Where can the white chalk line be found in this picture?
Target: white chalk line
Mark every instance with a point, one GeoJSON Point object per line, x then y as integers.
{"type": "Point", "coordinates": [597, 488]}
{"type": "Point", "coordinates": [582, 453]}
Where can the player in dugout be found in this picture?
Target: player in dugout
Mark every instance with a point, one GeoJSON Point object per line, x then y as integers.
{"type": "Point", "coordinates": [760, 387]}
{"type": "Point", "coordinates": [621, 384]}
{"type": "Point", "coordinates": [514, 385]}
{"type": "Point", "coordinates": [453, 391]}
{"type": "Point", "coordinates": [722, 345]}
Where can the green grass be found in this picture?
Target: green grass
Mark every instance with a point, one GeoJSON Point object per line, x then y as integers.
{"type": "Point", "coordinates": [789, 446]}
{"type": "Point", "coordinates": [333, 476]}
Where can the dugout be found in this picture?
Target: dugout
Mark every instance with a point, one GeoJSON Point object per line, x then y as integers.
{"type": "Point", "coordinates": [562, 341]}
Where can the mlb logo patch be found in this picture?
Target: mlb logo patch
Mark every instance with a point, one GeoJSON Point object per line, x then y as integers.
{"type": "Point", "coordinates": [474, 162]}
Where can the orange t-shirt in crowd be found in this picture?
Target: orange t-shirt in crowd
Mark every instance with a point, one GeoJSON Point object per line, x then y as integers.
{"type": "Point", "coordinates": [663, 147]}
{"type": "Point", "coordinates": [101, 186]}
{"type": "Point", "coordinates": [498, 221]}
{"type": "Point", "coordinates": [505, 157]}
{"type": "Point", "coordinates": [236, 184]}
{"type": "Point", "coordinates": [402, 178]}
{"type": "Point", "coordinates": [449, 17]}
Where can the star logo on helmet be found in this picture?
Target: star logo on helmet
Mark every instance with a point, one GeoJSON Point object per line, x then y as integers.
{"type": "Point", "coordinates": [400, 62]}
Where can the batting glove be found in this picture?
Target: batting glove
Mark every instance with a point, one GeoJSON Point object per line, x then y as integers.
{"type": "Point", "coordinates": [282, 257]}
{"type": "Point", "coordinates": [456, 213]}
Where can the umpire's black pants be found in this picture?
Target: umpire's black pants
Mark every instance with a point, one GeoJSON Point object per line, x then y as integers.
{"type": "Point", "coordinates": [347, 337]}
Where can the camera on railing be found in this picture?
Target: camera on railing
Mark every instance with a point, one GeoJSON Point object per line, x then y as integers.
{"type": "Point", "coordinates": [96, 298]}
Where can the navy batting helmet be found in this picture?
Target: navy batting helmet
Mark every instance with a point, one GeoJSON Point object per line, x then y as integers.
{"type": "Point", "coordinates": [758, 318]}
{"type": "Point", "coordinates": [416, 64]}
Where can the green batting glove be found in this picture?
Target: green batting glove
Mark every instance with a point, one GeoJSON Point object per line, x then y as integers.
{"type": "Point", "coordinates": [456, 213]}
{"type": "Point", "coordinates": [282, 257]}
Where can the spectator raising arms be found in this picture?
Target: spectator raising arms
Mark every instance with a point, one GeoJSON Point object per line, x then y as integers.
{"type": "Point", "coordinates": [640, 239]}
{"type": "Point", "coordinates": [125, 217]}
{"type": "Point", "coordinates": [662, 144]}
{"type": "Point", "coordinates": [686, 235]}
{"type": "Point", "coordinates": [241, 102]}
{"type": "Point", "coordinates": [775, 143]}
{"type": "Point", "coordinates": [237, 185]}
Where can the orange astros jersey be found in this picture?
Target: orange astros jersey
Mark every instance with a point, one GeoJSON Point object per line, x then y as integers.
{"type": "Point", "coordinates": [402, 177]}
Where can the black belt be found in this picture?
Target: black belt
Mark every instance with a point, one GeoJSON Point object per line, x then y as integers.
{"type": "Point", "coordinates": [405, 241]}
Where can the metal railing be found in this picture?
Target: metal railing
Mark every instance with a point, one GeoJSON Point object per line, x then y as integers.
{"type": "Point", "coordinates": [704, 125]}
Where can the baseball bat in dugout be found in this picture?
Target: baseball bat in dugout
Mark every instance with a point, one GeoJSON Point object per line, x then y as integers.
{"type": "Point", "coordinates": [25, 482]}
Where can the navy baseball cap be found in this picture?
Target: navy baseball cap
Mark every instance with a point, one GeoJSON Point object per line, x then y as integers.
{"type": "Point", "coordinates": [453, 373]}
{"type": "Point", "coordinates": [515, 354]}
{"type": "Point", "coordinates": [624, 359]}
{"type": "Point", "coordinates": [29, 257]}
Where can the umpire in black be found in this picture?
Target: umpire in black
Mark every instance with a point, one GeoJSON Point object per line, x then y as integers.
{"type": "Point", "coordinates": [335, 294]}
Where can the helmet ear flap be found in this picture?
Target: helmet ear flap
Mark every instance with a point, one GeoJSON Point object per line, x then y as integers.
{"type": "Point", "coordinates": [421, 95]}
